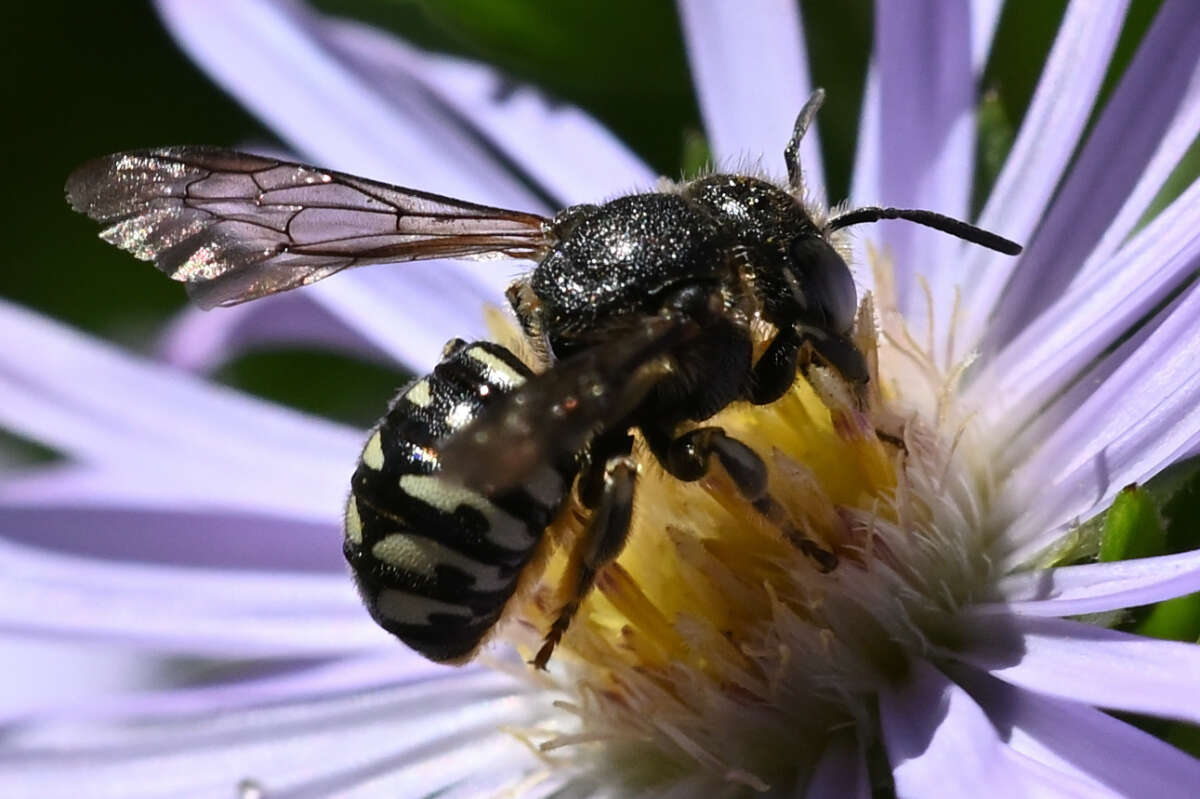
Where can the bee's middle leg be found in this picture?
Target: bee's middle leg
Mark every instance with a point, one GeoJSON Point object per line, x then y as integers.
{"type": "Point", "coordinates": [688, 457]}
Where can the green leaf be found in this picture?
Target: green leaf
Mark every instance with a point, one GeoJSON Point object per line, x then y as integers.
{"type": "Point", "coordinates": [1182, 176]}
{"type": "Point", "coordinates": [1161, 517]}
{"type": "Point", "coordinates": [1185, 737]}
{"type": "Point", "coordinates": [1174, 620]}
{"type": "Point", "coordinates": [697, 156]}
{"type": "Point", "coordinates": [1132, 527]}
{"type": "Point", "coordinates": [1176, 493]}
{"type": "Point", "coordinates": [996, 132]}
{"type": "Point", "coordinates": [329, 384]}
{"type": "Point", "coordinates": [1157, 517]}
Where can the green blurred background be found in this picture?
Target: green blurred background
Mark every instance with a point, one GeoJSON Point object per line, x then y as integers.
{"type": "Point", "coordinates": [90, 78]}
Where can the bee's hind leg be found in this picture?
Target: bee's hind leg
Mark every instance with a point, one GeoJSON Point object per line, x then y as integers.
{"type": "Point", "coordinates": [688, 456]}
{"type": "Point", "coordinates": [606, 488]}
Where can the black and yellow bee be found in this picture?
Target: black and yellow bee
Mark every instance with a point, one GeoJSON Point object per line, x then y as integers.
{"type": "Point", "coordinates": [644, 306]}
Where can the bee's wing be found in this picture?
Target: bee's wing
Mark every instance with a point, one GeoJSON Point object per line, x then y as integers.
{"type": "Point", "coordinates": [552, 416]}
{"type": "Point", "coordinates": [234, 226]}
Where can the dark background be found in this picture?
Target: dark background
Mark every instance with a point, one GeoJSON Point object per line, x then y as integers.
{"type": "Point", "coordinates": [84, 79]}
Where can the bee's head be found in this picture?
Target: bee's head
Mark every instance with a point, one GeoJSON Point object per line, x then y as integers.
{"type": "Point", "coordinates": [821, 283]}
{"type": "Point", "coordinates": [798, 275]}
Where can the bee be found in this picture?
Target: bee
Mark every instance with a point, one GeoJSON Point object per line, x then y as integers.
{"type": "Point", "coordinates": [643, 305]}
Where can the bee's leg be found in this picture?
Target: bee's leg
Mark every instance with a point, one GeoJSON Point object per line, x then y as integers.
{"type": "Point", "coordinates": [452, 346]}
{"type": "Point", "coordinates": [840, 353]}
{"type": "Point", "coordinates": [687, 457]}
{"type": "Point", "coordinates": [606, 488]}
{"type": "Point", "coordinates": [775, 371]}
{"type": "Point", "coordinates": [524, 305]}
{"type": "Point", "coordinates": [853, 368]}
{"type": "Point", "coordinates": [792, 350]}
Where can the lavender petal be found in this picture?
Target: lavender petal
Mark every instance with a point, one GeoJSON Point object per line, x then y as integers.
{"type": "Point", "coordinates": [866, 184]}
{"type": "Point", "coordinates": [147, 404]}
{"type": "Point", "coordinates": [1145, 128]}
{"type": "Point", "coordinates": [867, 178]}
{"type": "Point", "coordinates": [1089, 664]}
{"type": "Point", "coordinates": [113, 411]}
{"type": "Point", "coordinates": [543, 784]}
{"type": "Point", "coordinates": [383, 670]}
{"type": "Point", "coordinates": [411, 310]}
{"type": "Point", "coordinates": [1094, 587]}
{"type": "Point", "coordinates": [750, 68]}
{"type": "Point", "coordinates": [1053, 123]}
{"type": "Point", "coordinates": [181, 610]}
{"type": "Point", "coordinates": [1128, 430]}
{"type": "Point", "coordinates": [841, 772]}
{"type": "Point", "coordinates": [404, 741]}
{"type": "Point", "coordinates": [39, 674]}
{"type": "Point", "coordinates": [569, 154]}
{"type": "Point", "coordinates": [1069, 736]}
{"type": "Point", "coordinates": [1172, 147]}
{"type": "Point", "coordinates": [940, 743]}
{"type": "Point", "coordinates": [985, 16]}
{"type": "Point", "coordinates": [200, 341]}
{"type": "Point", "coordinates": [271, 56]}
{"type": "Point", "coordinates": [1084, 322]}
{"type": "Point", "coordinates": [927, 96]}
{"type": "Point", "coordinates": [1025, 442]}
{"type": "Point", "coordinates": [176, 535]}
{"type": "Point", "coordinates": [176, 628]}
{"type": "Point", "coordinates": [218, 591]}
{"type": "Point", "coordinates": [212, 487]}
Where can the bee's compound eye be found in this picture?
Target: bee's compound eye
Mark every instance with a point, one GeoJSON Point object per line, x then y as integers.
{"type": "Point", "coordinates": [826, 282]}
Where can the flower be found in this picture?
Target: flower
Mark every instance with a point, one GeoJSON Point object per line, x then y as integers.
{"type": "Point", "coordinates": [945, 649]}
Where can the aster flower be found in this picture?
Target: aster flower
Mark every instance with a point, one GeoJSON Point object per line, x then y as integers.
{"type": "Point", "coordinates": [710, 659]}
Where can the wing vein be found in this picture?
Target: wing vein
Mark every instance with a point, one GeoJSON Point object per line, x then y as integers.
{"type": "Point", "coordinates": [235, 226]}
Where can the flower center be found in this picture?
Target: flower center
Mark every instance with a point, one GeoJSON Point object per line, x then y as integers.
{"type": "Point", "coordinates": [713, 646]}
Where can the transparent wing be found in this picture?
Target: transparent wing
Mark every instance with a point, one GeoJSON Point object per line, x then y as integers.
{"type": "Point", "coordinates": [234, 226]}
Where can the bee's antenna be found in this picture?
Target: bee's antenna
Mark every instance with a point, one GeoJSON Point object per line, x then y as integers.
{"type": "Point", "coordinates": [791, 153]}
{"type": "Point", "coordinates": [946, 224]}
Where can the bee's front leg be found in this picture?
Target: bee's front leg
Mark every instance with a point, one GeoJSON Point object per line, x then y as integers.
{"type": "Point", "coordinates": [775, 371]}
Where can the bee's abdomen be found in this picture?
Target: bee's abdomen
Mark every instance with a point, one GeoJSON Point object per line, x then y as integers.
{"type": "Point", "coordinates": [436, 562]}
